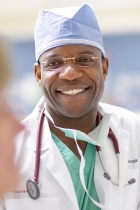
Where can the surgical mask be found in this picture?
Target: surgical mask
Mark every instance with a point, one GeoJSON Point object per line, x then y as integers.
{"type": "Point", "coordinates": [100, 132]}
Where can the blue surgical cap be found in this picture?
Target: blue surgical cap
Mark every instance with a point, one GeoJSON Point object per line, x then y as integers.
{"type": "Point", "coordinates": [65, 26]}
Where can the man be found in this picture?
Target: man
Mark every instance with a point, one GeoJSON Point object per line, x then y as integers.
{"type": "Point", "coordinates": [9, 127]}
{"type": "Point", "coordinates": [72, 126]}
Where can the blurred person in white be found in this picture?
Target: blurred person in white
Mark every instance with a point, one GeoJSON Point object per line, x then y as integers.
{"type": "Point", "coordinates": [9, 127]}
{"type": "Point", "coordinates": [88, 151]}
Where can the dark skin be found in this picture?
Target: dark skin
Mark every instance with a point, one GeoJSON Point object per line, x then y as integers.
{"type": "Point", "coordinates": [76, 111]}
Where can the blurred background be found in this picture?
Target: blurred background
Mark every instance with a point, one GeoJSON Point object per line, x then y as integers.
{"type": "Point", "coordinates": [119, 21]}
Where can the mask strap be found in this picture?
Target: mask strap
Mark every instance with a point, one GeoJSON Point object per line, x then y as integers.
{"type": "Point", "coordinates": [81, 172]}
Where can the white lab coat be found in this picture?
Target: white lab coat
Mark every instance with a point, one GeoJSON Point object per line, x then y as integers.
{"type": "Point", "coordinates": [57, 191]}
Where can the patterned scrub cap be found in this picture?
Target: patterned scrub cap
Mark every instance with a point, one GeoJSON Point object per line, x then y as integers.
{"type": "Point", "coordinates": [65, 26]}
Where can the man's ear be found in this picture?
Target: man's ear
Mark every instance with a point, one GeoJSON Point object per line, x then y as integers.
{"type": "Point", "coordinates": [37, 72]}
{"type": "Point", "coordinates": [105, 65]}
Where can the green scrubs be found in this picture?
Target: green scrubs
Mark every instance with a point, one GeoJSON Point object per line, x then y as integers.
{"type": "Point", "coordinates": [73, 165]}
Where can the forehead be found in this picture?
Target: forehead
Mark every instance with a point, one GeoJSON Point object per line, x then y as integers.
{"type": "Point", "coordinates": [71, 50]}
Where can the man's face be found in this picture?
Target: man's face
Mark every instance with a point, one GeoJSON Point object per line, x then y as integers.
{"type": "Point", "coordinates": [72, 91]}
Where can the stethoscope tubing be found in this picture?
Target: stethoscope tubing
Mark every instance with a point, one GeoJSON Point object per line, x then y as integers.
{"type": "Point", "coordinates": [38, 146]}
{"type": "Point", "coordinates": [32, 185]}
{"type": "Point", "coordinates": [116, 147]}
{"type": "Point", "coordinates": [112, 136]}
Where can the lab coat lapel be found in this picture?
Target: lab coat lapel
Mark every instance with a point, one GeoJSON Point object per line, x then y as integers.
{"type": "Point", "coordinates": [34, 125]}
{"type": "Point", "coordinates": [103, 185]}
{"type": "Point", "coordinates": [123, 136]}
{"type": "Point", "coordinates": [51, 157]}
{"type": "Point", "coordinates": [56, 165]}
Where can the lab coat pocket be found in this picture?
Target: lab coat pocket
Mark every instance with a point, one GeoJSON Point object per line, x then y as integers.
{"type": "Point", "coordinates": [29, 204]}
{"type": "Point", "coordinates": [130, 191]}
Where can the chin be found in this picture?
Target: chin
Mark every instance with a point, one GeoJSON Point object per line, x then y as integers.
{"type": "Point", "coordinates": [74, 113]}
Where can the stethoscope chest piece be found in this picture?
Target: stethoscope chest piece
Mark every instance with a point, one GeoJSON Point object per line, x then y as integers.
{"type": "Point", "coordinates": [33, 189]}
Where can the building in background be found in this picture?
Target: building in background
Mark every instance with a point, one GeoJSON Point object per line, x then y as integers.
{"type": "Point", "coordinates": [119, 22]}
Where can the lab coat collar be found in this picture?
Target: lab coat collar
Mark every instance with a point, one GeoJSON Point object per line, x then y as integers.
{"type": "Point", "coordinates": [33, 119]}
{"type": "Point", "coordinates": [54, 161]}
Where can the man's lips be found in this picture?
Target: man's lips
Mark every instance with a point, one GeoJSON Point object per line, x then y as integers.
{"type": "Point", "coordinates": [72, 90]}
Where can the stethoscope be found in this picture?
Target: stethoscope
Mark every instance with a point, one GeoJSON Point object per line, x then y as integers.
{"type": "Point", "coordinates": [116, 147]}
{"type": "Point", "coordinates": [33, 185]}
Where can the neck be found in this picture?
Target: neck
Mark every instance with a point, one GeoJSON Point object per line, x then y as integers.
{"type": "Point", "coordinates": [84, 123]}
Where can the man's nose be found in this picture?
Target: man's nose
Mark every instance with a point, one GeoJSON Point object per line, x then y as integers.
{"type": "Point", "coordinates": [70, 71]}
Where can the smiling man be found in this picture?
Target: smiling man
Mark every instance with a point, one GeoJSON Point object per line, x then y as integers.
{"type": "Point", "coordinates": [75, 152]}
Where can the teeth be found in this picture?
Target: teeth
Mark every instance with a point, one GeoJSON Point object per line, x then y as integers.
{"type": "Point", "coordinates": [73, 92]}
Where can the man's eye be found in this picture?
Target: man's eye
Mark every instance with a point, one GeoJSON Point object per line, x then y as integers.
{"type": "Point", "coordinates": [55, 63]}
{"type": "Point", "coordinates": [85, 60]}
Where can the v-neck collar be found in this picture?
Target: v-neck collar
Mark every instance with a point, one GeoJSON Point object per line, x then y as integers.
{"type": "Point", "coordinates": [71, 159]}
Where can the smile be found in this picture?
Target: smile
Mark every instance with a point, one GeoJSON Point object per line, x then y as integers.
{"type": "Point", "coordinates": [73, 92]}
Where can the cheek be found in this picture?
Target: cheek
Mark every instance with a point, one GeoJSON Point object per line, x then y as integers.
{"type": "Point", "coordinates": [49, 79]}
{"type": "Point", "coordinates": [100, 83]}
{"type": "Point", "coordinates": [97, 76]}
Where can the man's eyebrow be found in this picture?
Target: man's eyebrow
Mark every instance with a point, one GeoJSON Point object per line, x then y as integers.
{"type": "Point", "coordinates": [51, 56]}
{"type": "Point", "coordinates": [86, 52]}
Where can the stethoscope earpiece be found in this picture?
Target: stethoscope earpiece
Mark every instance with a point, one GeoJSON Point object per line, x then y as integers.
{"type": "Point", "coordinates": [131, 181]}
{"type": "Point", "coordinates": [107, 176]}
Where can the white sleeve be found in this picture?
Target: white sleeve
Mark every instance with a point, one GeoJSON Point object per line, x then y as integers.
{"type": "Point", "coordinates": [2, 205]}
